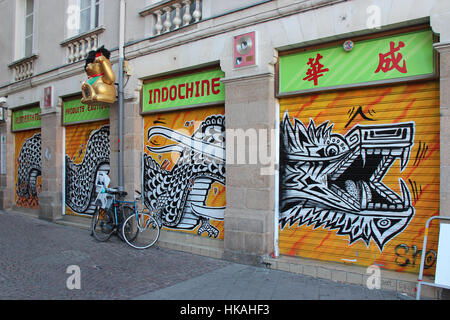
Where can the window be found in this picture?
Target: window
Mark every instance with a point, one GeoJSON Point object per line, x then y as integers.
{"type": "Point", "coordinates": [28, 46]}
{"type": "Point", "coordinates": [82, 16]}
{"type": "Point", "coordinates": [89, 12]}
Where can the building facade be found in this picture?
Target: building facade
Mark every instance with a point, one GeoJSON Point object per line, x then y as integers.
{"type": "Point", "coordinates": [310, 136]}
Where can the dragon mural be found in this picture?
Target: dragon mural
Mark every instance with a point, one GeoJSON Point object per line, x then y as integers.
{"type": "Point", "coordinates": [180, 195]}
{"type": "Point", "coordinates": [336, 181]}
{"type": "Point", "coordinates": [80, 178]}
{"type": "Point", "coordinates": [29, 167]}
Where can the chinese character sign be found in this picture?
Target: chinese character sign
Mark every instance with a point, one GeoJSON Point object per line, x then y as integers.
{"type": "Point", "coordinates": [391, 60]}
{"type": "Point", "coordinates": [316, 69]}
{"type": "Point", "coordinates": [380, 59]}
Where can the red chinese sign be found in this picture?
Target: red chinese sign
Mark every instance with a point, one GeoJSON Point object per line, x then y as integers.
{"type": "Point", "coordinates": [391, 60]}
{"type": "Point", "coordinates": [316, 71]}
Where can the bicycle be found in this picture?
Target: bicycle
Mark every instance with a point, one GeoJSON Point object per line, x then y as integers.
{"type": "Point", "coordinates": [140, 230]}
{"type": "Point", "coordinates": [109, 219]}
{"type": "Point", "coordinates": [110, 212]}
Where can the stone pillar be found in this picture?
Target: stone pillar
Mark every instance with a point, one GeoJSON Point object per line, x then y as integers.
{"type": "Point", "coordinates": [114, 145]}
{"type": "Point", "coordinates": [50, 198]}
{"type": "Point", "coordinates": [132, 141]}
{"type": "Point", "coordinates": [132, 136]}
{"type": "Point", "coordinates": [250, 107]}
{"type": "Point", "coordinates": [7, 187]}
{"type": "Point", "coordinates": [444, 53]}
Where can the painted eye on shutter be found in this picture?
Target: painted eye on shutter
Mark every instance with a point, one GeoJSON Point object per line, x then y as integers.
{"type": "Point", "coordinates": [332, 150]}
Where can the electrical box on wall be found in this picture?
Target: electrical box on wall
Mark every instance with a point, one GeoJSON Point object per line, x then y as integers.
{"type": "Point", "coordinates": [244, 50]}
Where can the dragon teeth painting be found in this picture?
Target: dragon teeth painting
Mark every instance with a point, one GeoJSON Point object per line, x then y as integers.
{"type": "Point", "coordinates": [336, 181]}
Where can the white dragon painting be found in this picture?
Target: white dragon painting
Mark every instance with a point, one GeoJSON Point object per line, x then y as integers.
{"type": "Point", "coordinates": [180, 194]}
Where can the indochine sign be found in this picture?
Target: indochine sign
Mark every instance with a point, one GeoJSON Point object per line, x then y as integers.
{"type": "Point", "coordinates": [201, 88]}
{"type": "Point", "coordinates": [402, 57]}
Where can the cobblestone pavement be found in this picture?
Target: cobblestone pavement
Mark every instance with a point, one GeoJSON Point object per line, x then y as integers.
{"type": "Point", "coordinates": [35, 254]}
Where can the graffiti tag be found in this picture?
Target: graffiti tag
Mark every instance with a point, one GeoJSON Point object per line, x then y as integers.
{"type": "Point", "coordinates": [407, 256]}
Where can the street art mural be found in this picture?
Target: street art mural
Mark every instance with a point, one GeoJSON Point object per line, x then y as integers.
{"type": "Point", "coordinates": [335, 181]}
{"type": "Point", "coordinates": [87, 152]}
{"type": "Point", "coordinates": [28, 168]}
{"type": "Point", "coordinates": [359, 175]}
{"type": "Point", "coordinates": [184, 170]}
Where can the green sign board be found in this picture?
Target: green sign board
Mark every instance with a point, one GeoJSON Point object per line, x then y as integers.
{"type": "Point", "coordinates": [26, 119]}
{"type": "Point", "coordinates": [199, 88]}
{"type": "Point", "coordinates": [76, 112]}
{"type": "Point", "coordinates": [400, 56]}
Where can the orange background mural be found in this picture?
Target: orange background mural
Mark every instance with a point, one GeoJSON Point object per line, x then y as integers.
{"type": "Point", "coordinates": [77, 137]}
{"type": "Point", "coordinates": [417, 103]}
{"type": "Point", "coordinates": [31, 202]}
{"type": "Point", "coordinates": [185, 122]}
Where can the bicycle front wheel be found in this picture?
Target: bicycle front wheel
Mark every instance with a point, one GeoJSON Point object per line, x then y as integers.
{"type": "Point", "coordinates": [140, 233]}
{"type": "Point", "coordinates": [102, 224]}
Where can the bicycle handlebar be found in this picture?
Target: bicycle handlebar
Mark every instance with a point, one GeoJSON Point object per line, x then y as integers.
{"type": "Point", "coordinates": [115, 191]}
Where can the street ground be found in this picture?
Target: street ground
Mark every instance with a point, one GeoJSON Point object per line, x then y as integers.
{"type": "Point", "coordinates": [35, 256]}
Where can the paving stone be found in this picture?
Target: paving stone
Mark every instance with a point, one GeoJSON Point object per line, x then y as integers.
{"type": "Point", "coordinates": [35, 254]}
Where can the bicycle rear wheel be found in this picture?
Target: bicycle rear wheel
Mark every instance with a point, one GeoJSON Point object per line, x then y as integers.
{"type": "Point", "coordinates": [141, 233]}
{"type": "Point", "coordinates": [102, 224]}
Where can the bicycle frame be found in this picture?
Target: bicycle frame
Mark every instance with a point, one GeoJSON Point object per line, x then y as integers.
{"type": "Point", "coordinates": [115, 204]}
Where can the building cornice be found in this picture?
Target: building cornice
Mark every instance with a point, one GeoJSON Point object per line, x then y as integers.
{"type": "Point", "coordinates": [442, 47]}
{"type": "Point", "coordinates": [264, 12]}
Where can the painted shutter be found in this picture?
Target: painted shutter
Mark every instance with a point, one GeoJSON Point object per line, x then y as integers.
{"type": "Point", "coordinates": [343, 154]}
{"type": "Point", "coordinates": [190, 195]}
{"type": "Point", "coordinates": [87, 151]}
{"type": "Point", "coordinates": [27, 158]}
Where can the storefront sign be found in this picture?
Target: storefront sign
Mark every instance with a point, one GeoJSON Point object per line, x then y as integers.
{"type": "Point", "coordinates": [76, 112]}
{"type": "Point", "coordinates": [26, 119]}
{"type": "Point", "coordinates": [397, 57]}
{"type": "Point", "coordinates": [200, 88]}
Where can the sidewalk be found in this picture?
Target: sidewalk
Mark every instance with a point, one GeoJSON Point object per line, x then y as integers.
{"type": "Point", "coordinates": [242, 282]}
{"type": "Point", "coordinates": [35, 254]}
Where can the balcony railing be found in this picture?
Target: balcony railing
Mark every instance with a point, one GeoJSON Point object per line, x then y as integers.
{"type": "Point", "coordinates": [23, 68]}
{"type": "Point", "coordinates": [79, 46]}
{"type": "Point", "coordinates": [171, 15]}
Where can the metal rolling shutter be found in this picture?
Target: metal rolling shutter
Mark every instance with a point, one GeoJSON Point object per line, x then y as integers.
{"type": "Point", "coordinates": [173, 183]}
{"type": "Point", "coordinates": [85, 155]}
{"type": "Point", "coordinates": [28, 181]}
{"type": "Point", "coordinates": [343, 154]}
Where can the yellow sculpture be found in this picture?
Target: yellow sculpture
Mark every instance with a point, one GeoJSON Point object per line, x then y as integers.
{"type": "Point", "coordinates": [99, 89]}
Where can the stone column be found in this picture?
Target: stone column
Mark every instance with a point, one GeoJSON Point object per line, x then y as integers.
{"type": "Point", "coordinates": [114, 145]}
{"type": "Point", "coordinates": [250, 110]}
{"type": "Point", "coordinates": [50, 198]}
{"type": "Point", "coordinates": [132, 140]}
{"type": "Point", "coordinates": [7, 187]}
{"type": "Point", "coordinates": [444, 57]}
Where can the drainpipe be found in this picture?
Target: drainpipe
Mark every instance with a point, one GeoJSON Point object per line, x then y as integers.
{"type": "Point", "coordinates": [276, 251]}
{"type": "Point", "coordinates": [121, 61]}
